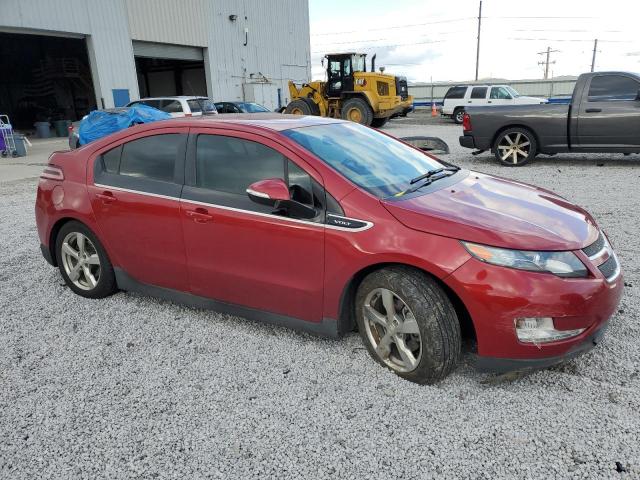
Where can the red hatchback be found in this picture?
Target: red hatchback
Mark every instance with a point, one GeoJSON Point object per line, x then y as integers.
{"type": "Point", "coordinates": [326, 225]}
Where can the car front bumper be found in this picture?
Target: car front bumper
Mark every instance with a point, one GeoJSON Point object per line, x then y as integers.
{"type": "Point", "coordinates": [496, 296]}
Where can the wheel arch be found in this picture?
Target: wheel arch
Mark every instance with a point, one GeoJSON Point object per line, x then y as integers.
{"type": "Point", "coordinates": [514, 125]}
{"type": "Point", "coordinates": [55, 229]}
{"type": "Point", "coordinates": [346, 310]}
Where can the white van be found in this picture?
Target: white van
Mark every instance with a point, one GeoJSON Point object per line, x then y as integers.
{"type": "Point", "coordinates": [457, 98]}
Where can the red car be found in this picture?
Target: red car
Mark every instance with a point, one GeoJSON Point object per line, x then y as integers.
{"type": "Point", "coordinates": [326, 225]}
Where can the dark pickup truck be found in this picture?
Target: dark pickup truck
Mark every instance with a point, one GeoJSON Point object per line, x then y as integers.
{"type": "Point", "coordinates": [603, 116]}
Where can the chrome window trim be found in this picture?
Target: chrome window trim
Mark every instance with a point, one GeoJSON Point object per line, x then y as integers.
{"type": "Point", "coordinates": [367, 225]}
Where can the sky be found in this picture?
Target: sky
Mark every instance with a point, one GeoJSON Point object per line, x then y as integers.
{"type": "Point", "coordinates": [435, 40]}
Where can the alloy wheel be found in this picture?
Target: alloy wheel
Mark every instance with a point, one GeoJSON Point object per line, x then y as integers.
{"type": "Point", "coordinates": [514, 148]}
{"type": "Point", "coordinates": [459, 116]}
{"type": "Point", "coordinates": [81, 261]}
{"type": "Point", "coordinates": [392, 330]}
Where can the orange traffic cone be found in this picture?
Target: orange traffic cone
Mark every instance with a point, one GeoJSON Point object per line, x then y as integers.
{"type": "Point", "coordinates": [434, 111]}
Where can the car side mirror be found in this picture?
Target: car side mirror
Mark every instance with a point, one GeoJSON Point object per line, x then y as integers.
{"type": "Point", "coordinates": [273, 192]}
{"type": "Point", "coordinates": [269, 191]}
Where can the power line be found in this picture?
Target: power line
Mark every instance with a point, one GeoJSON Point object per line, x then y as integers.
{"type": "Point", "coordinates": [396, 26]}
{"type": "Point", "coordinates": [390, 46]}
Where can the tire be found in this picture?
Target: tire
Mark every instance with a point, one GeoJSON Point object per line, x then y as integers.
{"type": "Point", "coordinates": [431, 327]}
{"type": "Point", "coordinates": [302, 106]}
{"type": "Point", "coordinates": [505, 151]}
{"type": "Point", "coordinates": [379, 122]}
{"type": "Point", "coordinates": [104, 281]}
{"type": "Point", "coordinates": [458, 115]}
{"type": "Point", "coordinates": [357, 110]}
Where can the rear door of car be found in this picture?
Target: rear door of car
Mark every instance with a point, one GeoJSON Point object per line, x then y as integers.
{"type": "Point", "coordinates": [477, 96]}
{"type": "Point", "coordinates": [134, 187]}
{"type": "Point", "coordinates": [609, 113]}
{"type": "Point", "coordinates": [241, 252]}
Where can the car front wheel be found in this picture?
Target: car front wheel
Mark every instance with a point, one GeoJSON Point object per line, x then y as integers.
{"type": "Point", "coordinates": [83, 262]}
{"type": "Point", "coordinates": [408, 324]}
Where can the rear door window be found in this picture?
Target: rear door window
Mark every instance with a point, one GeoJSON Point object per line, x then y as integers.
{"type": "Point", "coordinates": [152, 157]}
{"type": "Point", "coordinates": [479, 92]}
{"type": "Point", "coordinates": [609, 88]}
{"type": "Point", "coordinates": [455, 92]}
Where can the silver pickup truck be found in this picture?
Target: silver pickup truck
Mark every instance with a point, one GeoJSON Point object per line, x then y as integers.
{"type": "Point", "coordinates": [603, 116]}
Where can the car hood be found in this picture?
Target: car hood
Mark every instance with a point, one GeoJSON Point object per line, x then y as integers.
{"type": "Point", "coordinates": [499, 212]}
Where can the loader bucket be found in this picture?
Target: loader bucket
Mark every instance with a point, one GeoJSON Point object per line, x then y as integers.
{"type": "Point", "coordinates": [428, 144]}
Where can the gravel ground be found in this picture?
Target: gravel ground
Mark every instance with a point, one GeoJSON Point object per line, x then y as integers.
{"type": "Point", "coordinates": [133, 387]}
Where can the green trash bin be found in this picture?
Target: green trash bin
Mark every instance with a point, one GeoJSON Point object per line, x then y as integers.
{"type": "Point", "coordinates": [21, 147]}
{"type": "Point", "coordinates": [61, 127]}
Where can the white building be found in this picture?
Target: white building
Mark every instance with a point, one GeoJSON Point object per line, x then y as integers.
{"type": "Point", "coordinates": [60, 59]}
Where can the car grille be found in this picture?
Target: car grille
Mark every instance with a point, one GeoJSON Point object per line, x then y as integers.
{"type": "Point", "coordinates": [603, 257]}
{"type": "Point", "coordinates": [595, 247]}
{"type": "Point", "coordinates": [383, 89]}
{"type": "Point", "coordinates": [609, 268]}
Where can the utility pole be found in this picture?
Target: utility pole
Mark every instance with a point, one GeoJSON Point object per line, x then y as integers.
{"type": "Point", "coordinates": [546, 62]}
{"type": "Point", "coordinates": [593, 59]}
{"type": "Point", "coordinates": [478, 48]}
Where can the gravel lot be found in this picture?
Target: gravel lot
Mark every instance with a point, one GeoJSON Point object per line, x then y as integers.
{"type": "Point", "coordinates": [133, 387]}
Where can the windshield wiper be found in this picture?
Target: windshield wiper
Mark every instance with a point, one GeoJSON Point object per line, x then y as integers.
{"type": "Point", "coordinates": [429, 177]}
{"type": "Point", "coordinates": [433, 172]}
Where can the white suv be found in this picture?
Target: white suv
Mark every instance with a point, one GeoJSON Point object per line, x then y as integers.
{"type": "Point", "coordinates": [457, 98]}
{"type": "Point", "coordinates": [179, 106]}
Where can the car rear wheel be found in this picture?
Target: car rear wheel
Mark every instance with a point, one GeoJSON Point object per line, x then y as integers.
{"type": "Point", "coordinates": [458, 115]}
{"type": "Point", "coordinates": [515, 147]}
{"type": "Point", "coordinates": [408, 324]}
{"type": "Point", "coordinates": [302, 106]}
{"type": "Point", "coordinates": [83, 262]}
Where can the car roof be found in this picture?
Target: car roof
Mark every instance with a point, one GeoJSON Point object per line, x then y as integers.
{"type": "Point", "coordinates": [271, 121]}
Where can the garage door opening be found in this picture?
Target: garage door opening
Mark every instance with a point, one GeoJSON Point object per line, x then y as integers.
{"type": "Point", "coordinates": [161, 77]}
{"type": "Point", "coordinates": [44, 78]}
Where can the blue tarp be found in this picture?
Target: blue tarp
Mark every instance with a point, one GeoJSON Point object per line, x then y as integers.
{"type": "Point", "coordinates": [101, 123]}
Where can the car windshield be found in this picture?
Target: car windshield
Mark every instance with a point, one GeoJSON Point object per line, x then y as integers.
{"type": "Point", "coordinates": [376, 162]}
{"type": "Point", "coordinates": [512, 91]}
{"type": "Point", "coordinates": [253, 107]}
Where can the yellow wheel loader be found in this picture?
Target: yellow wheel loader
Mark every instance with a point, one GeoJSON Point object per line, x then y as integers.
{"type": "Point", "coordinates": [352, 93]}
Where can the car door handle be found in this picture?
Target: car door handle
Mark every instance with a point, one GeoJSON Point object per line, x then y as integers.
{"type": "Point", "coordinates": [593, 110]}
{"type": "Point", "coordinates": [489, 101]}
{"type": "Point", "coordinates": [199, 215]}
{"type": "Point", "coordinates": [106, 197]}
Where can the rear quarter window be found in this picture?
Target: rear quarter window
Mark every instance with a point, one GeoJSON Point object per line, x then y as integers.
{"type": "Point", "coordinates": [455, 92]}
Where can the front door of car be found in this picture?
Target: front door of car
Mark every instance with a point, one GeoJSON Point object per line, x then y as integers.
{"type": "Point", "coordinates": [241, 252]}
{"type": "Point", "coordinates": [500, 96]}
{"type": "Point", "coordinates": [609, 113]}
{"type": "Point", "coordinates": [134, 188]}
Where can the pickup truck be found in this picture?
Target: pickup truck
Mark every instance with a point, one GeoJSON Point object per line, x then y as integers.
{"type": "Point", "coordinates": [603, 117]}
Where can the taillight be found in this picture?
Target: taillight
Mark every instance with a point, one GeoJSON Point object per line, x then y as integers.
{"type": "Point", "coordinates": [466, 123]}
{"type": "Point", "coordinates": [51, 172]}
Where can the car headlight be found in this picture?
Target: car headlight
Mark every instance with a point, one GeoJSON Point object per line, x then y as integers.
{"type": "Point", "coordinates": [562, 264]}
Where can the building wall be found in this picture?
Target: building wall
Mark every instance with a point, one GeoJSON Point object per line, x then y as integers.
{"type": "Point", "coordinates": [102, 23]}
{"type": "Point", "coordinates": [277, 40]}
